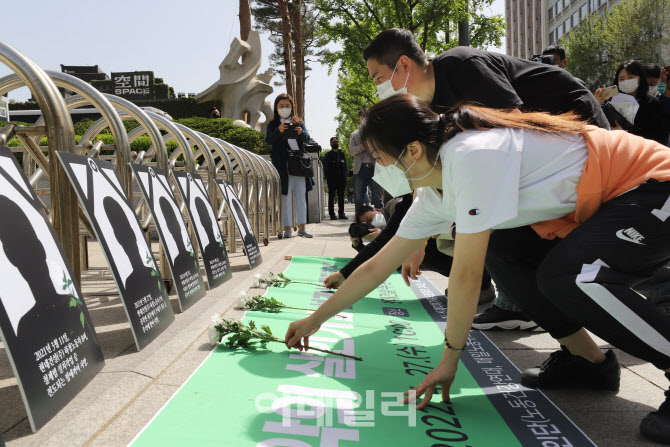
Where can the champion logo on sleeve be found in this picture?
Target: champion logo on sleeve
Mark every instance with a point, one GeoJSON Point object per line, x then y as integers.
{"type": "Point", "coordinates": [473, 211]}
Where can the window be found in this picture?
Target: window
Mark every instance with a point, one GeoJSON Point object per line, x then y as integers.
{"type": "Point", "coordinates": [583, 11]}
{"type": "Point", "coordinates": [551, 14]}
{"type": "Point", "coordinates": [601, 2]}
{"type": "Point", "coordinates": [594, 5]}
{"type": "Point", "coordinates": [575, 19]}
{"type": "Point", "coordinates": [559, 31]}
{"type": "Point", "coordinates": [566, 26]}
{"type": "Point", "coordinates": [566, 3]}
{"type": "Point", "coordinates": [551, 38]}
{"type": "Point", "coordinates": [559, 6]}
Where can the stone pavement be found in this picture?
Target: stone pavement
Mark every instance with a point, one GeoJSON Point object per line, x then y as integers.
{"type": "Point", "coordinates": [133, 386]}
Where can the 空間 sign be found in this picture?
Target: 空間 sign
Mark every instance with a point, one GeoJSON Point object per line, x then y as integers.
{"type": "Point", "coordinates": [133, 84]}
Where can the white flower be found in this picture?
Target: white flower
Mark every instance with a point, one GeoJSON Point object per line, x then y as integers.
{"type": "Point", "coordinates": [213, 335]}
{"type": "Point", "coordinates": [257, 280]}
{"type": "Point", "coordinates": [242, 300]}
{"type": "Point", "coordinates": [216, 320]}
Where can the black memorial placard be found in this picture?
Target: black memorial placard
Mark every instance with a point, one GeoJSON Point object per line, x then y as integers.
{"type": "Point", "coordinates": [242, 222]}
{"type": "Point", "coordinates": [206, 227]}
{"type": "Point", "coordinates": [44, 323]}
{"type": "Point", "coordinates": [122, 241]}
{"type": "Point", "coordinates": [173, 234]}
{"type": "Point", "coordinates": [134, 84]}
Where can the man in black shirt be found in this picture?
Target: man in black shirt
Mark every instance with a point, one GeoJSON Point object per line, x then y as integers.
{"type": "Point", "coordinates": [336, 171]}
{"type": "Point", "coordinates": [465, 74]}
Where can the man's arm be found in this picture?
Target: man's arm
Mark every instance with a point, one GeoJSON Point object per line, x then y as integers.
{"type": "Point", "coordinates": [355, 143]}
{"type": "Point", "coordinates": [382, 239]}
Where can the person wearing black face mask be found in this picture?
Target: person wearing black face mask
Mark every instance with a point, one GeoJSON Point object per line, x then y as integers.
{"type": "Point", "coordinates": [336, 170]}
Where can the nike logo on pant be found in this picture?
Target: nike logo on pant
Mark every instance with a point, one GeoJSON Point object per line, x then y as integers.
{"type": "Point", "coordinates": [630, 235]}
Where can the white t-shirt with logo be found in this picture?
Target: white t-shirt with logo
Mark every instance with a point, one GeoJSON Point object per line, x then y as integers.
{"type": "Point", "coordinates": [499, 178]}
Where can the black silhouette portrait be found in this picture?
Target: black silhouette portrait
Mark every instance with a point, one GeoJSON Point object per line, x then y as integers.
{"type": "Point", "coordinates": [140, 282]}
{"type": "Point", "coordinates": [183, 262]}
{"type": "Point", "coordinates": [247, 235]}
{"type": "Point", "coordinates": [212, 250]}
{"type": "Point", "coordinates": [50, 317]}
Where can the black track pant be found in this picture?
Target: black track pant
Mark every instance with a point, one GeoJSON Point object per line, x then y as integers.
{"type": "Point", "coordinates": [584, 280]}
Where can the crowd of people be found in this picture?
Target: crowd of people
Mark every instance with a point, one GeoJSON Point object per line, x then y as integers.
{"type": "Point", "coordinates": [560, 199]}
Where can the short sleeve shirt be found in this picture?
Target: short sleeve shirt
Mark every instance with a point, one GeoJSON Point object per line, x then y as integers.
{"type": "Point", "coordinates": [465, 74]}
{"type": "Point", "coordinates": [499, 178]}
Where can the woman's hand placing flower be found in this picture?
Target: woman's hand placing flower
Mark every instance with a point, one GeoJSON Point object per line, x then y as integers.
{"type": "Point", "coordinates": [300, 329]}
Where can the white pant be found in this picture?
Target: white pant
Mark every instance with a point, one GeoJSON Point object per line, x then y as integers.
{"type": "Point", "coordinates": [296, 190]}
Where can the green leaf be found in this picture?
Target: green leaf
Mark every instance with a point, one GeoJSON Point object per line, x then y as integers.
{"type": "Point", "coordinates": [64, 278]}
{"type": "Point", "coordinates": [153, 273]}
{"type": "Point", "coordinates": [69, 281]}
{"type": "Point", "coordinates": [79, 302]}
{"type": "Point", "coordinates": [82, 319]}
{"type": "Point", "coordinates": [73, 302]}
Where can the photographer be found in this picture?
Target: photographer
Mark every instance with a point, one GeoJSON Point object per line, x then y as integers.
{"type": "Point", "coordinates": [649, 121]}
{"type": "Point", "coordinates": [362, 228]}
{"type": "Point", "coordinates": [286, 132]}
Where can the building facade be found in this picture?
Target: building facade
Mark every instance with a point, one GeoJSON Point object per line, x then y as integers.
{"type": "Point", "coordinates": [533, 25]}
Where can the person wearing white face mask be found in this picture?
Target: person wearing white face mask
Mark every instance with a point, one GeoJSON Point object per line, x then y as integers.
{"type": "Point", "coordinates": [566, 217]}
{"type": "Point", "coordinates": [397, 64]}
{"type": "Point", "coordinates": [286, 132]}
{"type": "Point", "coordinates": [650, 121]}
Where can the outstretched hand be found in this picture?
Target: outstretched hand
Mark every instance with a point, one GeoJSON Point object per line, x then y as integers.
{"type": "Point", "coordinates": [300, 329]}
{"type": "Point", "coordinates": [334, 280]}
{"type": "Point", "coordinates": [443, 375]}
{"type": "Point", "coordinates": [410, 268]}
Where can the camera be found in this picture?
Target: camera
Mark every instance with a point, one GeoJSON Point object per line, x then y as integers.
{"type": "Point", "coordinates": [360, 229]}
{"type": "Point", "coordinates": [543, 58]}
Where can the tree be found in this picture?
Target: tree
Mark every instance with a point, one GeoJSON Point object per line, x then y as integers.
{"type": "Point", "coordinates": [304, 41]}
{"type": "Point", "coordinates": [632, 30]}
{"type": "Point", "coordinates": [352, 24]}
{"type": "Point", "coordinates": [245, 19]}
{"type": "Point", "coordinates": [287, 43]}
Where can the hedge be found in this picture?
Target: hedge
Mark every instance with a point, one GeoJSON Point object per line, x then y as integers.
{"type": "Point", "coordinates": [222, 128]}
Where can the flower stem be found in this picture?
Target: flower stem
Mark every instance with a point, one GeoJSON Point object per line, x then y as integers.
{"type": "Point", "coordinates": [360, 359]}
{"type": "Point", "coordinates": [302, 308]}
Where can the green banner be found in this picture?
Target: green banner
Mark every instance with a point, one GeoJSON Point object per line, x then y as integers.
{"type": "Point", "coordinates": [275, 397]}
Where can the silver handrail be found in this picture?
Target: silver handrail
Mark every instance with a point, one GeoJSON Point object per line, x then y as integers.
{"type": "Point", "coordinates": [60, 136]}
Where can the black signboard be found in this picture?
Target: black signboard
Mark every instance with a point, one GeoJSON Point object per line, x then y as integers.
{"type": "Point", "coordinates": [133, 84]}
{"type": "Point", "coordinates": [206, 227]}
{"type": "Point", "coordinates": [173, 234]}
{"type": "Point", "coordinates": [242, 222]}
{"type": "Point", "coordinates": [44, 323]}
{"type": "Point", "coordinates": [122, 241]}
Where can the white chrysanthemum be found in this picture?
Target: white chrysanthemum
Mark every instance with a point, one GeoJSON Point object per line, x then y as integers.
{"type": "Point", "coordinates": [216, 320]}
{"type": "Point", "coordinates": [242, 300]}
{"type": "Point", "coordinates": [213, 335]}
{"type": "Point", "coordinates": [257, 280]}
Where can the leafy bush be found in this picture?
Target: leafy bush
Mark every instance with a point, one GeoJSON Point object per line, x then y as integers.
{"type": "Point", "coordinates": [223, 128]}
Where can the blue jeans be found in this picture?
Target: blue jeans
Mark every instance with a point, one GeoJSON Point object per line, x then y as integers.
{"type": "Point", "coordinates": [361, 182]}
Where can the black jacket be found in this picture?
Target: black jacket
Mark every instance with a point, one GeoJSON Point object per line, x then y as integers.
{"type": "Point", "coordinates": [335, 167]}
{"type": "Point", "coordinates": [279, 153]}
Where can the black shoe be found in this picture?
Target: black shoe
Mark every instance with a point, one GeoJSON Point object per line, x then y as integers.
{"type": "Point", "coordinates": [333, 217]}
{"type": "Point", "coordinates": [563, 370]}
{"type": "Point", "coordinates": [496, 318]}
{"type": "Point", "coordinates": [656, 425]}
{"type": "Point", "coordinates": [487, 295]}
{"type": "Point", "coordinates": [344, 217]}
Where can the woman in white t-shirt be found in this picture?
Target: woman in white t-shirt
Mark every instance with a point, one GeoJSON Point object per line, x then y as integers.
{"type": "Point", "coordinates": [578, 214]}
